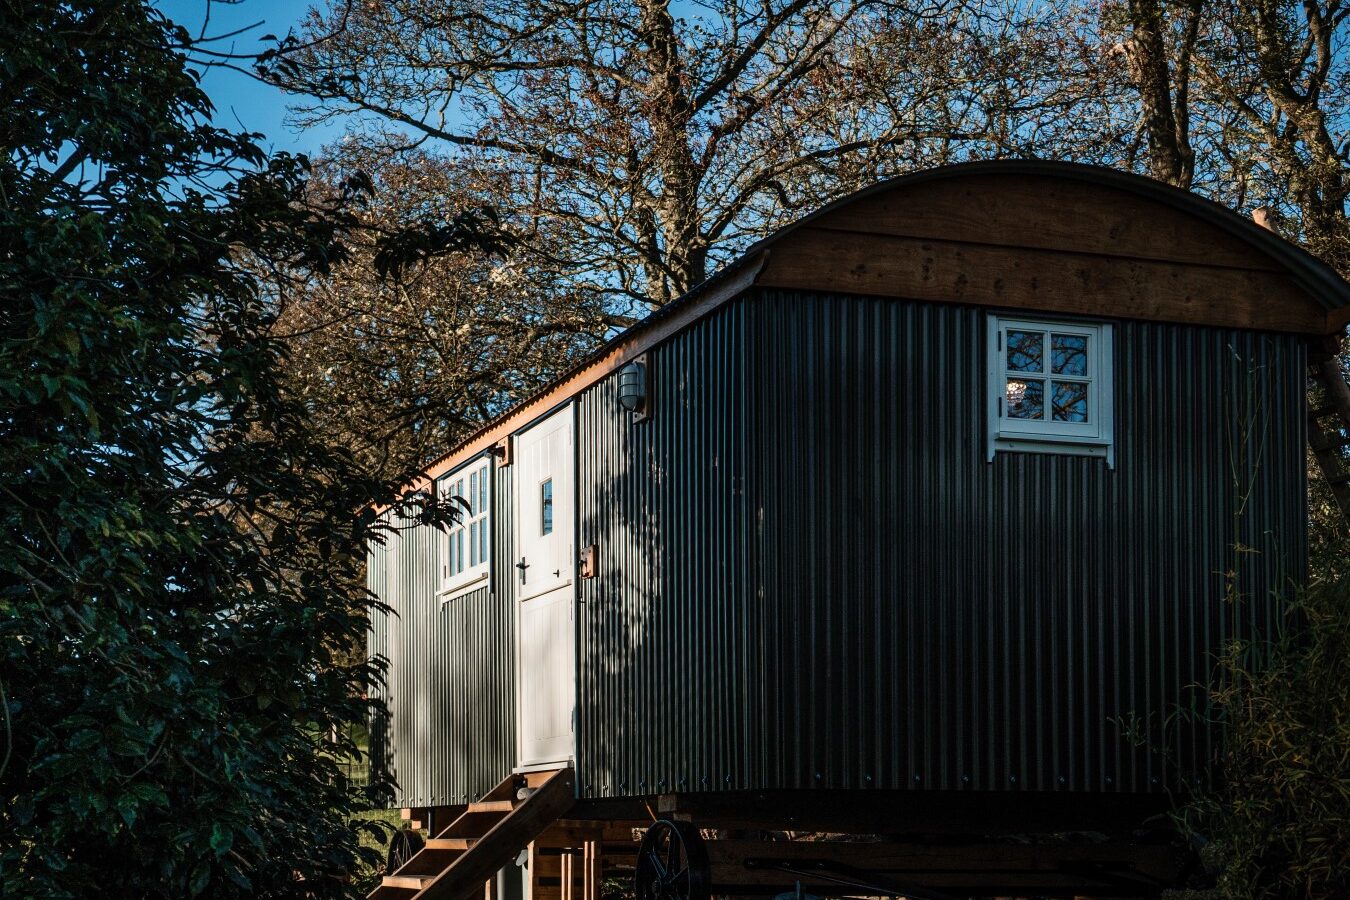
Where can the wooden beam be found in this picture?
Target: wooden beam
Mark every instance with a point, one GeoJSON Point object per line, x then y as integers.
{"type": "Point", "coordinates": [1047, 213]}
{"type": "Point", "coordinates": [1043, 281]}
{"type": "Point", "coordinates": [912, 812]}
{"type": "Point", "coordinates": [1113, 869]}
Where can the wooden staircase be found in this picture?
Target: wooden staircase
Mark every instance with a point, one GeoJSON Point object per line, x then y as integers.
{"type": "Point", "coordinates": [456, 862]}
{"type": "Point", "coordinates": [1329, 428]}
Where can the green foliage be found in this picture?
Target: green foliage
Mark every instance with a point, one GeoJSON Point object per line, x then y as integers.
{"type": "Point", "coordinates": [179, 546]}
{"type": "Point", "coordinates": [1278, 824]}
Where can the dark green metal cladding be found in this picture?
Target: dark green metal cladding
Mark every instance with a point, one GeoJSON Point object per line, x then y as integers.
{"type": "Point", "coordinates": [811, 576]}
{"type": "Point", "coordinates": [450, 683]}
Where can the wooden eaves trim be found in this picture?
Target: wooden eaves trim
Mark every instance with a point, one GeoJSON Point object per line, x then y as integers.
{"type": "Point", "coordinates": [625, 348]}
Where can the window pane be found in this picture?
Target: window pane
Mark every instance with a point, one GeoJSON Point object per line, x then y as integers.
{"type": "Point", "coordinates": [1069, 401]}
{"type": "Point", "coordinates": [1026, 398]}
{"type": "Point", "coordinates": [473, 493]}
{"type": "Point", "coordinates": [482, 491]}
{"type": "Point", "coordinates": [1068, 354]}
{"type": "Point", "coordinates": [473, 545]}
{"type": "Point", "coordinates": [482, 541]}
{"type": "Point", "coordinates": [546, 507]}
{"type": "Point", "coordinates": [1025, 351]}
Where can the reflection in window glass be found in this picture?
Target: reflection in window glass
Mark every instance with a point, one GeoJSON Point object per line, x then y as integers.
{"type": "Point", "coordinates": [1068, 354]}
{"type": "Point", "coordinates": [463, 553]}
{"type": "Point", "coordinates": [546, 507]}
{"type": "Point", "coordinates": [1069, 401]}
{"type": "Point", "coordinates": [1025, 351]}
{"type": "Point", "coordinates": [1026, 398]}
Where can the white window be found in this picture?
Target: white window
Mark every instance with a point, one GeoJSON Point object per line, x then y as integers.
{"type": "Point", "coordinates": [464, 548]}
{"type": "Point", "coordinates": [1050, 387]}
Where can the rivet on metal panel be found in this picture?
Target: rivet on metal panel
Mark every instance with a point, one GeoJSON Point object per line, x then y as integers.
{"type": "Point", "coordinates": [918, 778]}
{"type": "Point", "coordinates": [1063, 780]}
{"type": "Point", "coordinates": [965, 779]}
{"type": "Point", "coordinates": [867, 778]}
{"type": "Point", "coordinates": [1012, 779]}
{"type": "Point", "coordinates": [1110, 780]}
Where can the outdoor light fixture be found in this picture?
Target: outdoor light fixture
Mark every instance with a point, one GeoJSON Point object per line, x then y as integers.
{"type": "Point", "coordinates": [634, 390]}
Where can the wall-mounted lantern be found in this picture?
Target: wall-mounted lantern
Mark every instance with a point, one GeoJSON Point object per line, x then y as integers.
{"type": "Point", "coordinates": [635, 388]}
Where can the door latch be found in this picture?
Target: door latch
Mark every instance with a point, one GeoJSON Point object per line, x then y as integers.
{"type": "Point", "coordinates": [522, 566]}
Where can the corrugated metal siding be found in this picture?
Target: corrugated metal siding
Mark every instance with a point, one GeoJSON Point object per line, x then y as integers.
{"type": "Point", "coordinates": [380, 746]}
{"type": "Point", "coordinates": [451, 682]}
{"type": "Point", "coordinates": [665, 635]}
{"type": "Point", "coordinates": [812, 577]}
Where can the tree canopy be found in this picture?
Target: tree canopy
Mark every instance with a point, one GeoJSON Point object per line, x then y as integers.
{"type": "Point", "coordinates": [180, 547]}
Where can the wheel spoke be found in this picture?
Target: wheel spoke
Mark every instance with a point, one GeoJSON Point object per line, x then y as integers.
{"type": "Point", "coordinates": [654, 857]}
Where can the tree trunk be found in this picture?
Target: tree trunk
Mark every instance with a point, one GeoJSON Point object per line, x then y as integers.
{"type": "Point", "coordinates": [669, 111]}
{"type": "Point", "coordinates": [1170, 157]}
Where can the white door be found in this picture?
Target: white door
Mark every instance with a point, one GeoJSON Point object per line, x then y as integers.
{"type": "Point", "coordinates": [544, 577]}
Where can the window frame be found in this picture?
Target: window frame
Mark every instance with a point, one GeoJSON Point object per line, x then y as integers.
{"type": "Point", "coordinates": [477, 520]}
{"type": "Point", "coordinates": [1096, 437]}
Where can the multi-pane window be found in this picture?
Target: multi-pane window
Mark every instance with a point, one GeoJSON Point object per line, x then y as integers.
{"type": "Point", "coordinates": [1050, 386]}
{"type": "Point", "coordinates": [465, 547]}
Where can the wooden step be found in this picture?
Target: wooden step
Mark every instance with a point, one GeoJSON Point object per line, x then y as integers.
{"type": "Point", "coordinates": [384, 892]}
{"type": "Point", "coordinates": [492, 806]}
{"type": "Point", "coordinates": [453, 843]}
{"type": "Point", "coordinates": [1326, 440]}
{"type": "Point", "coordinates": [1326, 410]}
{"type": "Point", "coordinates": [407, 882]}
{"type": "Point", "coordinates": [430, 861]}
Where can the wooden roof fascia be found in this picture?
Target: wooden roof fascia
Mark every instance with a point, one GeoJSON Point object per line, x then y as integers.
{"type": "Point", "coordinates": [656, 328]}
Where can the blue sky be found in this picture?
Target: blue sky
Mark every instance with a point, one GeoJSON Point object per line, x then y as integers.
{"type": "Point", "coordinates": [239, 98]}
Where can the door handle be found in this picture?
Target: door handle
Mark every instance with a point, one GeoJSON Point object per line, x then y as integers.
{"type": "Point", "coordinates": [557, 572]}
{"type": "Point", "coordinates": [522, 566]}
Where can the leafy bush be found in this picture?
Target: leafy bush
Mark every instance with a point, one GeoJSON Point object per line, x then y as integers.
{"type": "Point", "coordinates": [1278, 823]}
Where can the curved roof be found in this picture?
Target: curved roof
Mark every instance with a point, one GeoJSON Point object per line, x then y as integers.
{"type": "Point", "coordinates": [1029, 234]}
{"type": "Point", "coordinates": [1317, 278]}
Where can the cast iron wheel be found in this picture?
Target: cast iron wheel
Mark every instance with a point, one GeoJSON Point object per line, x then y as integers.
{"type": "Point", "coordinates": [403, 846]}
{"type": "Point", "coordinates": [672, 863]}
